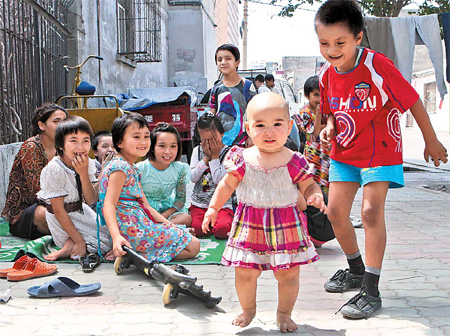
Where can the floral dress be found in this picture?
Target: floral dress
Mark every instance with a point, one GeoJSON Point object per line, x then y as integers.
{"type": "Point", "coordinates": [315, 155]}
{"type": "Point", "coordinates": [155, 241]}
{"type": "Point", "coordinates": [268, 230]}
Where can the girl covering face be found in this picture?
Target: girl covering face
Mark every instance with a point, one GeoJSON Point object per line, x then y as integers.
{"type": "Point", "coordinates": [207, 170]}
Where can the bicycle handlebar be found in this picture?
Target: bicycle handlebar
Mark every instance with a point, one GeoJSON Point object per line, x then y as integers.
{"type": "Point", "coordinates": [79, 66]}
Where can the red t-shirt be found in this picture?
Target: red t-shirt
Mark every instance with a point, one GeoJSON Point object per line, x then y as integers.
{"type": "Point", "coordinates": [366, 103]}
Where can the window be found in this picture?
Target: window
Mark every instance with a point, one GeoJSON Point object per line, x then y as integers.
{"type": "Point", "coordinates": [139, 30]}
{"type": "Point", "coordinates": [429, 97]}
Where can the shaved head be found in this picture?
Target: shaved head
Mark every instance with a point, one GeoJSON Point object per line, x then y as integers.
{"type": "Point", "coordinates": [266, 101]}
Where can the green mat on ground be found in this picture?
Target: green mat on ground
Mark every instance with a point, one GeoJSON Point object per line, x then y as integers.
{"type": "Point", "coordinates": [13, 248]}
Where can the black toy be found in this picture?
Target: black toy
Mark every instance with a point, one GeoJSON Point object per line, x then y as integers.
{"type": "Point", "coordinates": [175, 278]}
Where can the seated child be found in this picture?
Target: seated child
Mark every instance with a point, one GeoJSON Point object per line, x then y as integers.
{"type": "Point", "coordinates": [130, 219]}
{"type": "Point", "coordinates": [66, 184]}
{"type": "Point", "coordinates": [206, 172]}
{"type": "Point", "coordinates": [103, 149]}
{"type": "Point", "coordinates": [164, 177]}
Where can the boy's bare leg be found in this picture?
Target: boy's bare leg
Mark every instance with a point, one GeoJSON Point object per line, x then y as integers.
{"type": "Point", "coordinates": [245, 281]}
{"type": "Point", "coordinates": [372, 215]}
{"type": "Point", "coordinates": [288, 284]}
{"type": "Point", "coordinates": [64, 252]}
{"type": "Point", "coordinates": [340, 204]}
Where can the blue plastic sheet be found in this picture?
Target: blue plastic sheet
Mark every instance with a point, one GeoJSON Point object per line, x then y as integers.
{"type": "Point", "coordinates": [139, 99]}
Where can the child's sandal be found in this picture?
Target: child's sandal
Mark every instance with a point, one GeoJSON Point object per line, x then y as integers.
{"type": "Point", "coordinates": [88, 262]}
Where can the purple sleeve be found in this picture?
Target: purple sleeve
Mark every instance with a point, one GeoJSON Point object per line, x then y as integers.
{"type": "Point", "coordinates": [299, 168]}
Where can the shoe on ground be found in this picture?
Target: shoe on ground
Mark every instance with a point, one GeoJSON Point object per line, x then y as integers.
{"type": "Point", "coordinates": [361, 306]}
{"type": "Point", "coordinates": [356, 222]}
{"type": "Point", "coordinates": [343, 281]}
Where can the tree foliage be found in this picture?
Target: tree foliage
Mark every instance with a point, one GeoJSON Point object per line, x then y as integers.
{"type": "Point", "coordinates": [380, 8]}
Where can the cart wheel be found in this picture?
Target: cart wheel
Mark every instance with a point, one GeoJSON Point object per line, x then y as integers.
{"type": "Point", "coordinates": [118, 265]}
{"type": "Point", "coordinates": [167, 293]}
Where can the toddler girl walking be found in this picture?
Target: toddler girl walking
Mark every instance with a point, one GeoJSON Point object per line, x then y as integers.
{"type": "Point", "coordinates": [130, 219]}
{"type": "Point", "coordinates": [268, 230]}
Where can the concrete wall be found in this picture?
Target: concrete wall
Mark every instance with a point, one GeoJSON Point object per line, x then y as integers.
{"type": "Point", "coordinates": [7, 155]}
{"type": "Point", "coordinates": [228, 18]}
{"type": "Point", "coordinates": [441, 119]}
{"type": "Point", "coordinates": [191, 46]}
{"type": "Point", "coordinates": [118, 73]}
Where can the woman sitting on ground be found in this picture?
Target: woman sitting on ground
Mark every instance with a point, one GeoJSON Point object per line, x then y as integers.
{"type": "Point", "coordinates": [23, 211]}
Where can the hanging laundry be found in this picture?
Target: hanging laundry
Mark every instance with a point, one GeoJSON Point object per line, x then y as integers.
{"type": "Point", "coordinates": [397, 37]}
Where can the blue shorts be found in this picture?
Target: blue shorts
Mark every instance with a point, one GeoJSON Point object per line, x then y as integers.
{"type": "Point", "coordinates": [342, 172]}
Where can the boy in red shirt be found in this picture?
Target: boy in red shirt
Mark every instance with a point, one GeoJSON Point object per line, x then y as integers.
{"type": "Point", "coordinates": [363, 94]}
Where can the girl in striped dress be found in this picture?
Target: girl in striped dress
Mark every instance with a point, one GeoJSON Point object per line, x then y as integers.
{"type": "Point", "coordinates": [268, 230]}
{"type": "Point", "coordinates": [310, 121]}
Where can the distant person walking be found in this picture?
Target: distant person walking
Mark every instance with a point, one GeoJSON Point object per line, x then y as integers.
{"type": "Point", "coordinates": [230, 96]}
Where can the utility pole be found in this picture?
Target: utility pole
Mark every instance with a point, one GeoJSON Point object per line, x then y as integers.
{"type": "Point", "coordinates": [244, 36]}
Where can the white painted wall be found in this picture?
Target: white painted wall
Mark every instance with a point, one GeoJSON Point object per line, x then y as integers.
{"type": "Point", "coordinates": [441, 119]}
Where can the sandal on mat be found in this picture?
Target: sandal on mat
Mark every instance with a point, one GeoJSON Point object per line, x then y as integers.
{"type": "Point", "coordinates": [88, 262]}
{"type": "Point", "coordinates": [18, 265]}
{"type": "Point", "coordinates": [63, 286]}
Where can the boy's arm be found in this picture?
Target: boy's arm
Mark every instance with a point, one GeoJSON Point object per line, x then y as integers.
{"type": "Point", "coordinates": [66, 223]}
{"type": "Point", "coordinates": [116, 181]}
{"type": "Point", "coordinates": [222, 193]}
{"type": "Point", "coordinates": [318, 126]}
{"type": "Point", "coordinates": [433, 148]}
{"type": "Point", "coordinates": [312, 193]}
{"type": "Point", "coordinates": [328, 133]}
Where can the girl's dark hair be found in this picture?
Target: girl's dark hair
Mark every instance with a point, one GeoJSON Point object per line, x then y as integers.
{"type": "Point", "coordinates": [121, 123]}
{"type": "Point", "coordinates": [208, 121]}
{"type": "Point", "coordinates": [311, 84]}
{"type": "Point", "coordinates": [70, 125]}
{"type": "Point", "coordinates": [231, 48]}
{"type": "Point", "coordinates": [347, 12]}
{"type": "Point", "coordinates": [97, 137]}
{"type": "Point", "coordinates": [42, 113]}
{"type": "Point", "coordinates": [163, 127]}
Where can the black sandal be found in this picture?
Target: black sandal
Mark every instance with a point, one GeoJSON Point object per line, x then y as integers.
{"type": "Point", "coordinates": [88, 262]}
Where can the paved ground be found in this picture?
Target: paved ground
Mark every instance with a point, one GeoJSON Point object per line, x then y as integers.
{"type": "Point", "coordinates": [415, 284]}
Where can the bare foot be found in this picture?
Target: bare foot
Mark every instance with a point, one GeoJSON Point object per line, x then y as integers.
{"type": "Point", "coordinates": [285, 322]}
{"type": "Point", "coordinates": [110, 256]}
{"type": "Point", "coordinates": [64, 252]}
{"type": "Point", "coordinates": [57, 255]}
{"type": "Point", "coordinates": [244, 318]}
{"type": "Point", "coordinates": [191, 231]}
